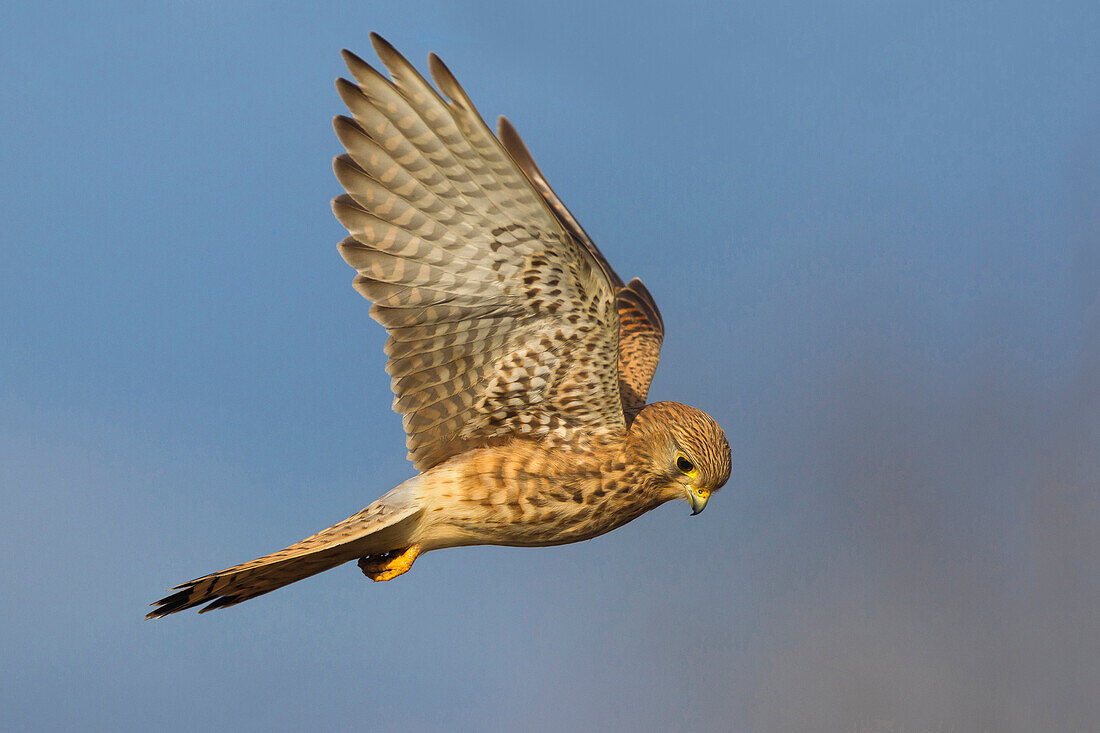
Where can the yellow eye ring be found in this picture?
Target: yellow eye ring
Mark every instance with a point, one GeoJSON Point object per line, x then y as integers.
{"type": "Point", "coordinates": [684, 466]}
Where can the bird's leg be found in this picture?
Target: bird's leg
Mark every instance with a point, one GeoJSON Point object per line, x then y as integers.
{"type": "Point", "coordinates": [389, 565]}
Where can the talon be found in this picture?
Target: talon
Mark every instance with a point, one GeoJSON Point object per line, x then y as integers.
{"type": "Point", "coordinates": [388, 565]}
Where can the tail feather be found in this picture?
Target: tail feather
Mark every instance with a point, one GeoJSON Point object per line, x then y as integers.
{"type": "Point", "coordinates": [381, 527]}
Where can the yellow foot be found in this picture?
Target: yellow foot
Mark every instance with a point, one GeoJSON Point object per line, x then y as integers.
{"type": "Point", "coordinates": [389, 565]}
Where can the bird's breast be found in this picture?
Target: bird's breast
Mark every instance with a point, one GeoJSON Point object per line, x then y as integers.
{"type": "Point", "coordinates": [529, 496]}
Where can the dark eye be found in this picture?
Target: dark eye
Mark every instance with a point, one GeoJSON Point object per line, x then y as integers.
{"type": "Point", "coordinates": [684, 465]}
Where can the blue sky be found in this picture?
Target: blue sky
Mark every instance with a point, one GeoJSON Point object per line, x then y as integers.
{"type": "Point", "coordinates": [873, 232]}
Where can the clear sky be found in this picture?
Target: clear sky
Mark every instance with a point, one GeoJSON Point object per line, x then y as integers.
{"type": "Point", "coordinates": [873, 229]}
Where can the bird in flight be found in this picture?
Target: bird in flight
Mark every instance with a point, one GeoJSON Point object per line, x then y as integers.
{"type": "Point", "coordinates": [519, 359]}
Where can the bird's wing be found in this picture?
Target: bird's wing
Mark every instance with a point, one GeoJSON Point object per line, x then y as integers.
{"type": "Point", "coordinates": [641, 332]}
{"type": "Point", "coordinates": [641, 329]}
{"type": "Point", "coordinates": [500, 322]}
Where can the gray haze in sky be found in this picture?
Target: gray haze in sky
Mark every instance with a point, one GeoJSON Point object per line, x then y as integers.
{"type": "Point", "coordinates": [874, 233]}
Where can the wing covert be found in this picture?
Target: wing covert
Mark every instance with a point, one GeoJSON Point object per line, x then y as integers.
{"type": "Point", "coordinates": [641, 328]}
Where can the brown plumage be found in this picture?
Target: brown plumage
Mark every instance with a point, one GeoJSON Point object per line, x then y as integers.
{"type": "Point", "coordinates": [519, 359]}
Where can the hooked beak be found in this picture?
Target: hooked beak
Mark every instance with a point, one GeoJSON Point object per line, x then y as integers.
{"type": "Point", "coordinates": [698, 499]}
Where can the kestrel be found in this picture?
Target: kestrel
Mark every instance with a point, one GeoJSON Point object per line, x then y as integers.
{"type": "Point", "coordinates": [519, 359]}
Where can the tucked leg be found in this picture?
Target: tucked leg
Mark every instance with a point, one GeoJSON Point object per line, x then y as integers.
{"type": "Point", "coordinates": [389, 565]}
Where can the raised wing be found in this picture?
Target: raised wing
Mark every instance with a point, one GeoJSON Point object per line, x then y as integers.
{"type": "Point", "coordinates": [641, 329]}
{"type": "Point", "coordinates": [500, 322]}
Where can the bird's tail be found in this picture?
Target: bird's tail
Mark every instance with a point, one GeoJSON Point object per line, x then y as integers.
{"type": "Point", "coordinates": [383, 526]}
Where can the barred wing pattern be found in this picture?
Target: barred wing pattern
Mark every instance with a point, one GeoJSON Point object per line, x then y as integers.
{"type": "Point", "coordinates": [641, 329]}
{"type": "Point", "coordinates": [500, 322]}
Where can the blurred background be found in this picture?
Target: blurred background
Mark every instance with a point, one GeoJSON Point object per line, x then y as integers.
{"type": "Point", "coordinates": [874, 233]}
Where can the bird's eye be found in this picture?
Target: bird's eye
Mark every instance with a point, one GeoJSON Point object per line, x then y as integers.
{"type": "Point", "coordinates": [684, 466]}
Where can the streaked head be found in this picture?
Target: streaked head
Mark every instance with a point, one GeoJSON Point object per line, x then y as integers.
{"type": "Point", "coordinates": [684, 451]}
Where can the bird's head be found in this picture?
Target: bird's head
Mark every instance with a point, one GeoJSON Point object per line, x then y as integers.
{"type": "Point", "coordinates": [684, 451]}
